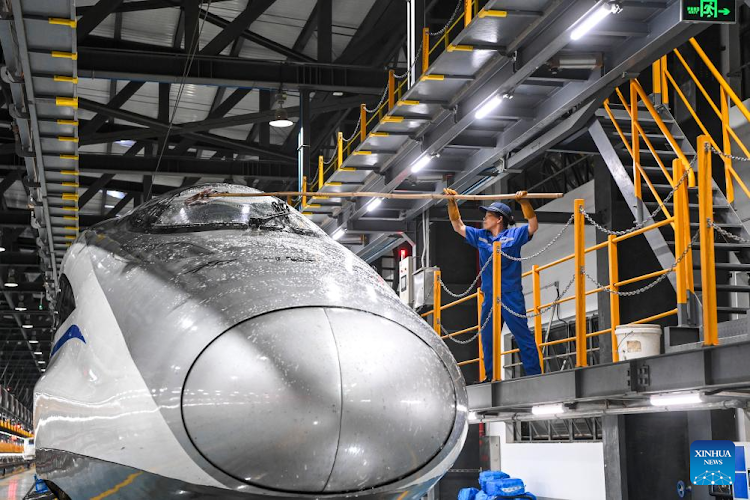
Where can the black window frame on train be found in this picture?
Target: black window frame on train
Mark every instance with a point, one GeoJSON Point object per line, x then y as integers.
{"type": "Point", "coordinates": [66, 301]}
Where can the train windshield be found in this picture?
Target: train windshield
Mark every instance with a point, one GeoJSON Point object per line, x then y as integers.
{"type": "Point", "coordinates": [211, 207]}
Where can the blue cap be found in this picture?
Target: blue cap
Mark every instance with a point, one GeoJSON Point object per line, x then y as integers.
{"type": "Point", "coordinates": [498, 207]}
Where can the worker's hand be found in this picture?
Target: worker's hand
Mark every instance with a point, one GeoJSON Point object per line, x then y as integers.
{"type": "Point", "coordinates": [453, 212]}
{"type": "Point", "coordinates": [526, 208]}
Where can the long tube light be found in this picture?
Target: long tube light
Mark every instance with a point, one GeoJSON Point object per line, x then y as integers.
{"type": "Point", "coordinates": [488, 107]}
{"type": "Point", "coordinates": [678, 399]}
{"type": "Point", "coordinates": [338, 234]}
{"type": "Point", "coordinates": [588, 23]}
{"type": "Point", "coordinates": [552, 409]}
{"type": "Point", "coordinates": [374, 204]}
{"type": "Point", "coordinates": [421, 163]}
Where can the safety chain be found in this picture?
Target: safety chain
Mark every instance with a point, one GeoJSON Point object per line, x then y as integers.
{"type": "Point", "coordinates": [380, 103]}
{"type": "Point", "coordinates": [542, 310]}
{"type": "Point", "coordinates": [471, 287]}
{"type": "Point", "coordinates": [469, 340]}
{"type": "Point", "coordinates": [646, 220]}
{"type": "Point", "coordinates": [709, 147]}
{"type": "Point", "coordinates": [540, 252]}
{"type": "Point", "coordinates": [650, 285]}
{"type": "Point", "coordinates": [450, 20]}
{"type": "Point", "coordinates": [726, 233]}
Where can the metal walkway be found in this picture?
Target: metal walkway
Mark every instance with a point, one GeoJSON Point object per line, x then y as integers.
{"type": "Point", "coordinates": [519, 49]}
{"type": "Point", "coordinates": [38, 39]}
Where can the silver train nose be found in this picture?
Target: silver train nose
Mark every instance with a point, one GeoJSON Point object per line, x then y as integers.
{"type": "Point", "coordinates": [319, 400]}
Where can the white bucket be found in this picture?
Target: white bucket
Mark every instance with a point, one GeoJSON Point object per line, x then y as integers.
{"type": "Point", "coordinates": [638, 341]}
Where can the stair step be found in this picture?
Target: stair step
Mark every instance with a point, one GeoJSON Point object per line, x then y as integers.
{"type": "Point", "coordinates": [693, 206]}
{"type": "Point", "coordinates": [731, 310]}
{"type": "Point", "coordinates": [652, 135]}
{"type": "Point", "coordinates": [727, 288]}
{"type": "Point", "coordinates": [732, 247]}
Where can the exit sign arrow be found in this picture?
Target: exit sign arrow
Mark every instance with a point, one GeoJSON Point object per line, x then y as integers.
{"type": "Point", "coordinates": [725, 11]}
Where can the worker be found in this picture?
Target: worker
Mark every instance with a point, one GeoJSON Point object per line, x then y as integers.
{"type": "Point", "coordinates": [498, 225]}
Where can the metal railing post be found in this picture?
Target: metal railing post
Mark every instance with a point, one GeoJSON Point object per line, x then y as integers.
{"type": "Point", "coordinates": [468, 10]}
{"type": "Point", "coordinates": [339, 150]}
{"type": "Point", "coordinates": [727, 146]}
{"type": "Point", "coordinates": [663, 77]}
{"type": "Point", "coordinates": [497, 320]}
{"type": "Point", "coordinates": [708, 260]}
{"type": "Point", "coordinates": [480, 300]}
{"type": "Point", "coordinates": [320, 172]}
{"type": "Point", "coordinates": [614, 300]}
{"type": "Point", "coordinates": [538, 317]}
{"type": "Point", "coordinates": [304, 190]}
{"type": "Point", "coordinates": [362, 123]}
{"type": "Point", "coordinates": [437, 299]}
{"type": "Point", "coordinates": [425, 49]}
{"type": "Point", "coordinates": [580, 283]}
{"type": "Point", "coordinates": [636, 151]}
{"type": "Point", "coordinates": [391, 90]}
{"type": "Point", "coordinates": [680, 243]}
{"type": "Point", "coordinates": [656, 78]}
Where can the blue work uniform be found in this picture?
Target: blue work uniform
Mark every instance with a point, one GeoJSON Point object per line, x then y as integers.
{"type": "Point", "coordinates": [511, 295]}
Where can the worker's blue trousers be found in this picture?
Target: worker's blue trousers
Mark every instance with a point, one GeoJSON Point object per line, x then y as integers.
{"type": "Point", "coordinates": [518, 327]}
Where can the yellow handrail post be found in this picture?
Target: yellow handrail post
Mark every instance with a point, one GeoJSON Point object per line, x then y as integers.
{"type": "Point", "coordinates": [656, 77]}
{"type": "Point", "coordinates": [339, 150]}
{"type": "Point", "coordinates": [538, 317]}
{"type": "Point", "coordinates": [362, 123]}
{"type": "Point", "coordinates": [436, 317]}
{"type": "Point", "coordinates": [680, 243]}
{"type": "Point", "coordinates": [480, 300]}
{"type": "Point", "coordinates": [663, 77]}
{"type": "Point", "coordinates": [468, 10]}
{"type": "Point", "coordinates": [304, 190]}
{"type": "Point", "coordinates": [727, 146]}
{"type": "Point", "coordinates": [636, 150]}
{"type": "Point", "coordinates": [614, 300]}
{"type": "Point", "coordinates": [425, 49]}
{"type": "Point", "coordinates": [724, 85]}
{"type": "Point", "coordinates": [497, 320]}
{"type": "Point", "coordinates": [580, 283]}
{"type": "Point", "coordinates": [391, 90]}
{"type": "Point", "coordinates": [320, 172]}
{"type": "Point", "coordinates": [708, 262]}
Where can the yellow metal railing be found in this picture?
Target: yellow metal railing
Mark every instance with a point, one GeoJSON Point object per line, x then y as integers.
{"type": "Point", "coordinates": [395, 97]}
{"type": "Point", "coordinates": [682, 269]}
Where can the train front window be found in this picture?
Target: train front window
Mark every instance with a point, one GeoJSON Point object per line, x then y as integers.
{"type": "Point", "coordinates": [207, 208]}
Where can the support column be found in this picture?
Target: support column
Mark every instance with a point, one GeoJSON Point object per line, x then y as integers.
{"type": "Point", "coordinates": [415, 23]}
{"type": "Point", "coordinates": [325, 31]}
{"type": "Point", "coordinates": [615, 458]}
{"type": "Point", "coordinates": [303, 138]}
{"type": "Point", "coordinates": [264, 130]}
{"type": "Point", "coordinates": [605, 192]}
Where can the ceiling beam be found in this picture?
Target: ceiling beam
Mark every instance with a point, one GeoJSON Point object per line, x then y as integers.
{"type": "Point", "coordinates": [167, 67]}
{"type": "Point", "coordinates": [253, 10]}
{"type": "Point", "coordinates": [93, 17]}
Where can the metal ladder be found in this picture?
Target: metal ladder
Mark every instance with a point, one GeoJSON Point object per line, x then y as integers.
{"type": "Point", "coordinates": [731, 257]}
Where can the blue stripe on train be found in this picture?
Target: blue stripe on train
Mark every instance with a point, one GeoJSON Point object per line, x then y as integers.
{"type": "Point", "coordinates": [73, 332]}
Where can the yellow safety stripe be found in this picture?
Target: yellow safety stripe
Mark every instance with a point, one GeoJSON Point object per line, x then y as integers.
{"type": "Point", "coordinates": [71, 23]}
{"type": "Point", "coordinates": [66, 79]}
{"type": "Point", "coordinates": [68, 122]}
{"type": "Point", "coordinates": [493, 13]}
{"type": "Point", "coordinates": [67, 101]}
{"type": "Point", "coordinates": [65, 55]}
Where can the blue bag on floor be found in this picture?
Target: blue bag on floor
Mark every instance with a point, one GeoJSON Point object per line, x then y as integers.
{"type": "Point", "coordinates": [468, 494]}
{"type": "Point", "coordinates": [505, 488]}
{"type": "Point", "coordinates": [490, 475]}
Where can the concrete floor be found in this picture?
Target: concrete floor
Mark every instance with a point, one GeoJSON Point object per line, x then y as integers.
{"type": "Point", "coordinates": [15, 485]}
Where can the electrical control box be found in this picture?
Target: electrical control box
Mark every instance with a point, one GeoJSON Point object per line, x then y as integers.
{"type": "Point", "coordinates": [424, 287]}
{"type": "Point", "coordinates": [406, 280]}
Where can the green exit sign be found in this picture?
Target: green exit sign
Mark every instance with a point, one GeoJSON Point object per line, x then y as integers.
{"type": "Point", "coordinates": [709, 11]}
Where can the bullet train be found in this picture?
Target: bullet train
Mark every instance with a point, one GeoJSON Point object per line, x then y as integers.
{"type": "Point", "coordinates": [226, 347]}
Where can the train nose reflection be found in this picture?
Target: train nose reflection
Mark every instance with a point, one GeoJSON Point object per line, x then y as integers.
{"type": "Point", "coordinates": [319, 400]}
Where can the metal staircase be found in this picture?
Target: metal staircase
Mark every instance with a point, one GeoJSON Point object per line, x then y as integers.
{"type": "Point", "coordinates": [732, 257]}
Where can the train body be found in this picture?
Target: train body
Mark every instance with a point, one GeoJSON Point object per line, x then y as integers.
{"type": "Point", "coordinates": [227, 348]}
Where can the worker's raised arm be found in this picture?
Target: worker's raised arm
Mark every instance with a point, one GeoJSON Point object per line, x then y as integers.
{"type": "Point", "coordinates": [528, 212]}
{"type": "Point", "coordinates": [454, 214]}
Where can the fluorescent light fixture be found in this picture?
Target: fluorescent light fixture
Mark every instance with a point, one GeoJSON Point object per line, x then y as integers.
{"type": "Point", "coordinates": [41, 362]}
{"type": "Point", "coordinates": [33, 341]}
{"type": "Point", "coordinates": [125, 142]}
{"type": "Point", "coordinates": [20, 306]}
{"type": "Point", "coordinates": [677, 399]}
{"type": "Point", "coordinates": [421, 163]}
{"type": "Point", "coordinates": [38, 353]}
{"type": "Point", "coordinates": [116, 194]}
{"type": "Point", "coordinates": [109, 206]}
{"type": "Point", "coordinates": [337, 235]}
{"type": "Point", "coordinates": [337, 93]}
{"type": "Point", "coordinates": [2, 248]}
{"type": "Point", "coordinates": [489, 107]}
{"type": "Point", "coordinates": [552, 409]}
{"type": "Point", "coordinates": [374, 204]}
{"type": "Point", "coordinates": [27, 326]}
{"type": "Point", "coordinates": [11, 281]}
{"type": "Point", "coordinates": [588, 23]}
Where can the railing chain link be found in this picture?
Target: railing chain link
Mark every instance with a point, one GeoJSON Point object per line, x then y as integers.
{"type": "Point", "coordinates": [543, 309]}
{"type": "Point", "coordinates": [651, 285]}
{"type": "Point", "coordinates": [646, 220]}
{"type": "Point", "coordinates": [540, 252]}
{"type": "Point", "coordinates": [726, 233]}
{"type": "Point", "coordinates": [709, 147]}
